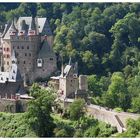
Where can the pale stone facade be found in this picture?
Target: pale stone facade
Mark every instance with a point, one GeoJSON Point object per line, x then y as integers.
{"type": "Point", "coordinates": [68, 84]}
{"type": "Point", "coordinates": [31, 39]}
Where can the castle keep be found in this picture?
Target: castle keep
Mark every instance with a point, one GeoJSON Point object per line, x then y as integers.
{"type": "Point", "coordinates": [30, 40]}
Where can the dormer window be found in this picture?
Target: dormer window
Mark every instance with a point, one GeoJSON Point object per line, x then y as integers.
{"type": "Point", "coordinates": [39, 62]}
{"type": "Point", "coordinates": [32, 32]}
{"type": "Point", "coordinates": [12, 33]}
{"type": "Point", "coordinates": [21, 33]}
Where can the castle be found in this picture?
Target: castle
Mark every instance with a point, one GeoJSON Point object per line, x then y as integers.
{"type": "Point", "coordinates": [25, 54]}
{"type": "Point", "coordinates": [30, 39]}
{"type": "Point", "coordinates": [68, 84]}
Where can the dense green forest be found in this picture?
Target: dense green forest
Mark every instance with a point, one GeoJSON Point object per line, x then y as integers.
{"type": "Point", "coordinates": [104, 38]}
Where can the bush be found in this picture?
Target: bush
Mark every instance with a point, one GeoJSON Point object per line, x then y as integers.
{"type": "Point", "coordinates": [118, 109]}
{"type": "Point", "coordinates": [77, 109]}
{"type": "Point", "coordinates": [78, 133]}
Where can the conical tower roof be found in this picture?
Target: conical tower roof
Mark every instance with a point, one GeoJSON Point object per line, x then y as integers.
{"type": "Point", "coordinates": [45, 50]}
{"type": "Point", "coordinates": [13, 57]}
{"type": "Point", "coordinates": [12, 27]}
{"type": "Point", "coordinates": [32, 25]}
{"type": "Point", "coordinates": [23, 25]}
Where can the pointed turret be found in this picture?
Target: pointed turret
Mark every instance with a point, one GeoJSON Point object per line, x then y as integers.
{"type": "Point", "coordinates": [32, 27]}
{"type": "Point", "coordinates": [62, 69]}
{"type": "Point", "coordinates": [76, 69]}
{"type": "Point", "coordinates": [12, 29]}
{"type": "Point", "coordinates": [13, 57]}
{"type": "Point", "coordinates": [23, 28]}
{"type": "Point", "coordinates": [14, 74]}
{"type": "Point", "coordinates": [70, 61]}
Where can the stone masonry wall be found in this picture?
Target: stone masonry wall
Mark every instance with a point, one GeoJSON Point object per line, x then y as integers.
{"type": "Point", "coordinates": [111, 117]}
{"type": "Point", "coordinates": [13, 106]}
{"type": "Point", "coordinates": [9, 88]}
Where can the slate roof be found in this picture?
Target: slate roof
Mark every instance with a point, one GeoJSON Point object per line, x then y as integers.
{"type": "Point", "coordinates": [20, 90]}
{"type": "Point", "coordinates": [14, 74]}
{"type": "Point", "coordinates": [41, 24]}
{"type": "Point", "coordinates": [45, 50]}
{"type": "Point", "coordinates": [67, 69]}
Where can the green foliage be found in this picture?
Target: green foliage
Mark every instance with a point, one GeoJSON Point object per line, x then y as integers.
{"type": "Point", "coordinates": [116, 95]}
{"type": "Point", "coordinates": [94, 85]}
{"type": "Point", "coordinates": [104, 38]}
{"type": "Point", "coordinates": [15, 125]}
{"type": "Point", "coordinates": [39, 111]}
{"type": "Point", "coordinates": [85, 126]}
{"type": "Point", "coordinates": [77, 109]}
{"type": "Point", "coordinates": [133, 129]}
{"type": "Point", "coordinates": [117, 109]}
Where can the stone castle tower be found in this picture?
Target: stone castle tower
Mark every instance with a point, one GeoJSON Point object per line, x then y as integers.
{"type": "Point", "coordinates": [69, 84]}
{"type": "Point", "coordinates": [30, 38]}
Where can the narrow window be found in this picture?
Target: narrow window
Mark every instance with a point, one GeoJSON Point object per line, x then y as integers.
{"type": "Point", "coordinates": [7, 63]}
{"type": "Point", "coordinates": [22, 47]}
{"type": "Point", "coordinates": [29, 54]}
{"type": "Point", "coordinates": [27, 47]}
{"type": "Point", "coordinates": [7, 49]}
{"type": "Point", "coordinates": [25, 54]}
{"type": "Point", "coordinates": [24, 62]}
